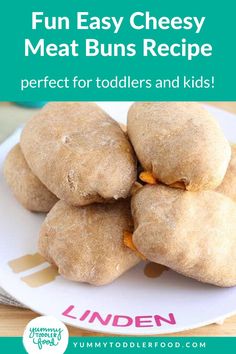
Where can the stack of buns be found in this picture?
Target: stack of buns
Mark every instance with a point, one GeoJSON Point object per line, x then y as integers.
{"type": "Point", "coordinates": [76, 163]}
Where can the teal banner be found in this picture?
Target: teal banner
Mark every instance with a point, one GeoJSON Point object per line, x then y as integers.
{"type": "Point", "coordinates": [124, 50]}
{"type": "Point", "coordinates": [145, 345]}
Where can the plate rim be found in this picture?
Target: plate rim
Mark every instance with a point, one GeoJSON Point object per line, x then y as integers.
{"type": "Point", "coordinates": [104, 331]}
{"type": "Point", "coordinates": [116, 332]}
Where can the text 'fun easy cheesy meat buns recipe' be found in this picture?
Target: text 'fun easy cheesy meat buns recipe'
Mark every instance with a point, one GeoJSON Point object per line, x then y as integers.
{"type": "Point", "coordinates": [80, 153]}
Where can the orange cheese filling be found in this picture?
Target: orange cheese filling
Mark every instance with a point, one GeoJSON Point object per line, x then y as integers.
{"type": "Point", "coordinates": [147, 177]}
{"type": "Point", "coordinates": [128, 242]}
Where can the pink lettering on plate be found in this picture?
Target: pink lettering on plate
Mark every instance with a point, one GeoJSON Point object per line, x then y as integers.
{"type": "Point", "coordinates": [90, 316]}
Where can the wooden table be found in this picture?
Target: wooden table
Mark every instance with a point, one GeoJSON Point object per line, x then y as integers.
{"type": "Point", "coordinates": [13, 320]}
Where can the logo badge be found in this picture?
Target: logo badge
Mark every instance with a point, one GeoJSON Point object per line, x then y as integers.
{"type": "Point", "coordinates": [45, 334]}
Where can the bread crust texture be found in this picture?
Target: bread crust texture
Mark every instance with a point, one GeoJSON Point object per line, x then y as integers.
{"type": "Point", "coordinates": [86, 243]}
{"type": "Point", "coordinates": [192, 233]}
{"type": "Point", "coordinates": [80, 153]}
{"type": "Point", "coordinates": [26, 187]}
{"type": "Point", "coordinates": [180, 143]}
{"type": "Point", "coordinates": [228, 186]}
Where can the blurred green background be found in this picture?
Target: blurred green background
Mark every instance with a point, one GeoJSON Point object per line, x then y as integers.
{"type": "Point", "coordinates": [11, 117]}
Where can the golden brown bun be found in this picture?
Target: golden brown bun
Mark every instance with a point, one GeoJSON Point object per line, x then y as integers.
{"type": "Point", "coordinates": [86, 243]}
{"type": "Point", "coordinates": [26, 187]}
{"type": "Point", "coordinates": [180, 143]}
{"type": "Point", "coordinates": [228, 186]}
{"type": "Point", "coordinates": [193, 233]}
{"type": "Point", "coordinates": [79, 152]}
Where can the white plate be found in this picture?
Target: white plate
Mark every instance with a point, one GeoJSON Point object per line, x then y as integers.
{"type": "Point", "coordinates": [134, 297]}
